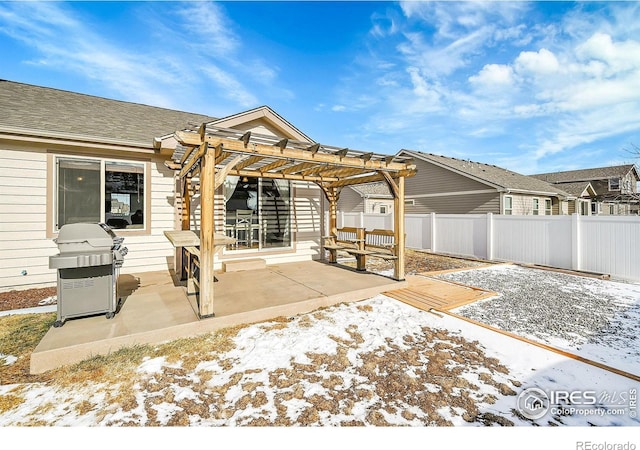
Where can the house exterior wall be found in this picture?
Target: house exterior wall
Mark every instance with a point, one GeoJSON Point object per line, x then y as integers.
{"type": "Point", "coordinates": [350, 201]}
{"type": "Point", "coordinates": [523, 204]}
{"type": "Point", "coordinates": [26, 215]}
{"type": "Point", "coordinates": [439, 190]}
{"type": "Point", "coordinates": [377, 206]}
{"type": "Point", "coordinates": [26, 238]}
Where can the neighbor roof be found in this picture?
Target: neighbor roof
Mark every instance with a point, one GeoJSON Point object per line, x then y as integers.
{"type": "Point", "coordinates": [373, 190]}
{"type": "Point", "coordinates": [578, 188]}
{"type": "Point", "coordinates": [493, 175]}
{"type": "Point", "coordinates": [597, 173]}
{"type": "Point", "coordinates": [39, 111]}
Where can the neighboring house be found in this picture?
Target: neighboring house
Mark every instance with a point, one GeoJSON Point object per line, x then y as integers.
{"type": "Point", "coordinates": [67, 157]}
{"type": "Point", "coordinates": [613, 190]}
{"type": "Point", "coordinates": [371, 198]}
{"type": "Point", "coordinates": [457, 186]}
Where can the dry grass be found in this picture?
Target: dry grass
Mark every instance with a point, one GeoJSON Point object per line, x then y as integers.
{"type": "Point", "coordinates": [19, 336]}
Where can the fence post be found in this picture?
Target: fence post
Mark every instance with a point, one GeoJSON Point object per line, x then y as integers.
{"type": "Point", "coordinates": [490, 236]}
{"type": "Point", "coordinates": [575, 242]}
{"type": "Point", "coordinates": [433, 232]}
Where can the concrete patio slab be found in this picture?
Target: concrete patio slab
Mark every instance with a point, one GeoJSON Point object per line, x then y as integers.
{"type": "Point", "coordinates": [156, 307]}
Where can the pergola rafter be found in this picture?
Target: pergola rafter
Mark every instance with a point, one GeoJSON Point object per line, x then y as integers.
{"type": "Point", "coordinates": [214, 153]}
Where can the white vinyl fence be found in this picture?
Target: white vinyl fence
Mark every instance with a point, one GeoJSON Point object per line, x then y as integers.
{"type": "Point", "coordinates": [601, 244]}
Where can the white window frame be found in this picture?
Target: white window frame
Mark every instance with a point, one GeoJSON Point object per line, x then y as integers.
{"type": "Point", "coordinates": [409, 202]}
{"type": "Point", "coordinates": [103, 164]}
{"type": "Point", "coordinates": [504, 208]}
{"type": "Point", "coordinates": [548, 211]}
{"type": "Point", "coordinates": [535, 209]}
{"type": "Point", "coordinates": [383, 209]}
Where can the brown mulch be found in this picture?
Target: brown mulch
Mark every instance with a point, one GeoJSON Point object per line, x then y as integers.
{"type": "Point", "coordinates": [419, 261]}
{"type": "Point", "coordinates": [27, 298]}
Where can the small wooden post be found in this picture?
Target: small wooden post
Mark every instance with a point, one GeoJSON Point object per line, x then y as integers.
{"type": "Point", "coordinates": [207, 224]}
{"type": "Point", "coordinates": [186, 203]}
{"type": "Point", "coordinates": [361, 260]}
{"type": "Point", "coordinates": [398, 228]}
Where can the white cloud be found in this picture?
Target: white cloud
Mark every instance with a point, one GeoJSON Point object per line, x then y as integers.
{"type": "Point", "coordinates": [493, 76]}
{"type": "Point", "coordinates": [542, 62]}
{"type": "Point", "coordinates": [617, 56]}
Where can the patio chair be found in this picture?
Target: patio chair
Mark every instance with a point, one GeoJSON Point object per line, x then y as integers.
{"type": "Point", "coordinates": [243, 228]}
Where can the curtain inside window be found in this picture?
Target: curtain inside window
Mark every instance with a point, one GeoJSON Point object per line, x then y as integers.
{"type": "Point", "coordinates": [230, 184]}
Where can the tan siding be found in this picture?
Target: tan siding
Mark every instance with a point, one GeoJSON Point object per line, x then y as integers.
{"type": "Point", "coordinates": [23, 241]}
{"type": "Point", "coordinates": [432, 179]}
{"type": "Point", "coordinates": [456, 204]}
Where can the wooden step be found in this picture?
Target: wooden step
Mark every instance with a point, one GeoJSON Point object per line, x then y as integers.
{"type": "Point", "coordinates": [244, 264]}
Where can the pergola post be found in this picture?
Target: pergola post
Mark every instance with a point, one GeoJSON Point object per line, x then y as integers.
{"type": "Point", "coordinates": [207, 222]}
{"type": "Point", "coordinates": [398, 228]}
{"type": "Point", "coordinates": [333, 195]}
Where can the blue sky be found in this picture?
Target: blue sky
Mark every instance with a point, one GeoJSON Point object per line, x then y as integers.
{"type": "Point", "coordinates": [532, 87]}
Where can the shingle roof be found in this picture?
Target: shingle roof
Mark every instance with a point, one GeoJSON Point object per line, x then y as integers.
{"type": "Point", "coordinates": [45, 109]}
{"type": "Point", "coordinates": [491, 174]}
{"type": "Point", "coordinates": [380, 189]}
{"type": "Point", "coordinates": [597, 173]}
{"type": "Point", "coordinates": [576, 189]}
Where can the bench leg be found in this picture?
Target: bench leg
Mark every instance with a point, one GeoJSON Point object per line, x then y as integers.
{"type": "Point", "coordinates": [333, 256]}
{"type": "Point", "coordinates": [361, 262]}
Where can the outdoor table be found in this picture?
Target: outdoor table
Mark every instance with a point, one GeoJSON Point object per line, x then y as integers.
{"type": "Point", "coordinates": [181, 239]}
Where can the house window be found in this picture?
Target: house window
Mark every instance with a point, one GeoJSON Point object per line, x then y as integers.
{"type": "Point", "coordinates": [547, 207]}
{"type": "Point", "coordinates": [612, 209]}
{"type": "Point", "coordinates": [508, 205]}
{"type": "Point", "coordinates": [536, 206]}
{"type": "Point", "coordinates": [409, 202]}
{"type": "Point", "coordinates": [90, 190]}
{"type": "Point", "coordinates": [383, 209]}
{"type": "Point", "coordinates": [614, 184]}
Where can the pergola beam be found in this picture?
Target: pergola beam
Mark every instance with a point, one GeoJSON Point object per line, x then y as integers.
{"type": "Point", "coordinates": [186, 138]}
{"type": "Point", "coordinates": [280, 176]}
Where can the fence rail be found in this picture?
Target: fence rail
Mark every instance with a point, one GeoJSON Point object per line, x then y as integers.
{"type": "Point", "coordinates": [601, 244]}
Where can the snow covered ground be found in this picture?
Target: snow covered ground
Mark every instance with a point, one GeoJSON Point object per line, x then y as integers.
{"type": "Point", "coordinates": [380, 362]}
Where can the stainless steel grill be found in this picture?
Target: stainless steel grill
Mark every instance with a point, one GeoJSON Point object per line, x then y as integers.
{"type": "Point", "coordinates": [88, 265]}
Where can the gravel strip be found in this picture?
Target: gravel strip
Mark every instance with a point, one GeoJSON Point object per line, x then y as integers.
{"type": "Point", "coordinates": [574, 313]}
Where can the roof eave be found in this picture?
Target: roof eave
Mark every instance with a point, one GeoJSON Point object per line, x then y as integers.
{"type": "Point", "coordinates": [54, 137]}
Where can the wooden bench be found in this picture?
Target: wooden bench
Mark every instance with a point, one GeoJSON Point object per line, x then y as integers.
{"type": "Point", "coordinates": [347, 238]}
{"type": "Point", "coordinates": [377, 244]}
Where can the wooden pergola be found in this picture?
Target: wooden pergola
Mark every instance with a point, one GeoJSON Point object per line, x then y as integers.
{"type": "Point", "coordinates": [213, 153]}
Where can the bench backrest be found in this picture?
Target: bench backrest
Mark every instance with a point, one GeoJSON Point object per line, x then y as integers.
{"type": "Point", "coordinates": [347, 234]}
{"type": "Point", "coordinates": [380, 240]}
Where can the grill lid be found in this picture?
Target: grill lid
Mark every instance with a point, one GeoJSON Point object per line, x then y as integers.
{"type": "Point", "coordinates": [85, 237]}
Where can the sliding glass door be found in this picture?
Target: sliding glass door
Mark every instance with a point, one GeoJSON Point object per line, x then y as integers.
{"type": "Point", "coordinates": [258, 212]}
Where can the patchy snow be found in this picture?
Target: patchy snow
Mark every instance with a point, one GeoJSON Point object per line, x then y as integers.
{"type": "Point", "coordinates": [381, 362]}
{"type": "Point", "coordinates": [593, 318]}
